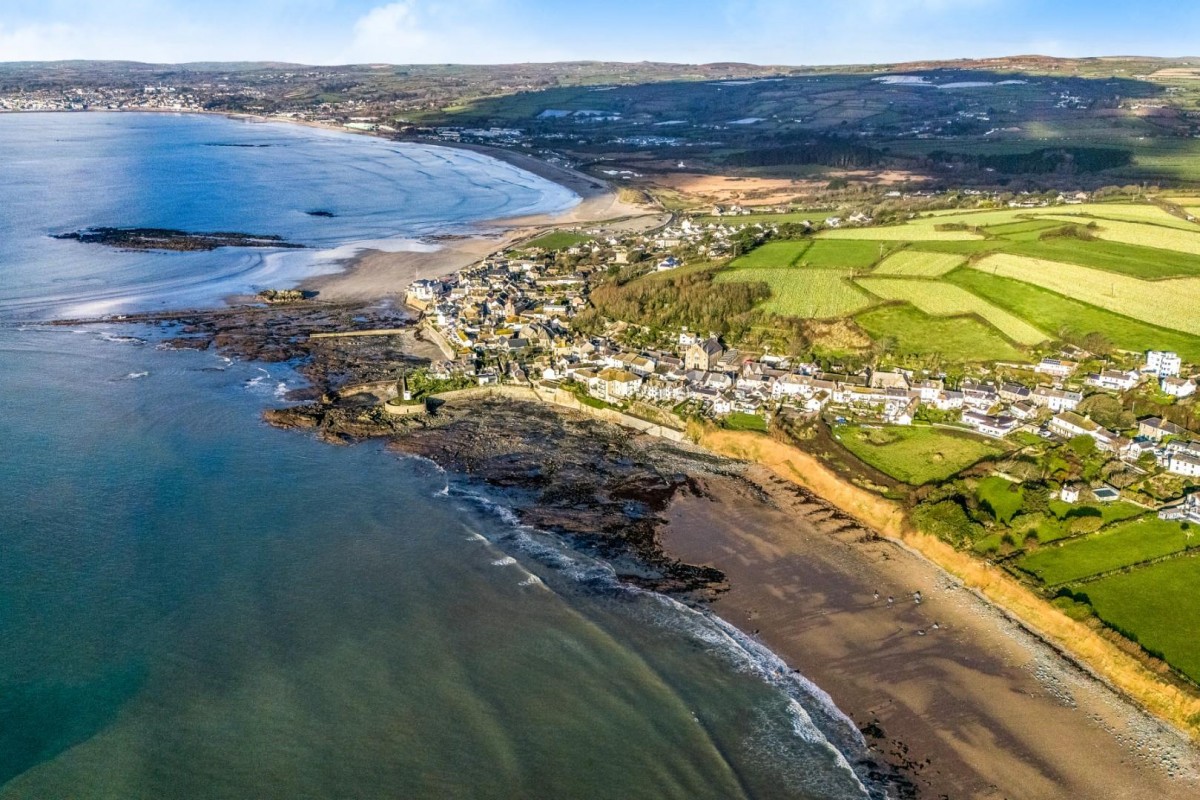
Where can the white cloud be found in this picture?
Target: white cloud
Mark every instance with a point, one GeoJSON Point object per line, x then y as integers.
{"type": "Point", "coordinates": [443, 31]}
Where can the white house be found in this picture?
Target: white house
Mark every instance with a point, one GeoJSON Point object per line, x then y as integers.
{"type": "Point", "coordinates": [1114, 380]}
{"type": "Point", "coordinates": [1162, 363]}
{"type": "Point", "coordinates": [1182, 463]}
{"type": "Point", "coordinates": [1055, 399]}
{"type": "Point", "coordinates": [990, 425]}
{"type": "Point", "coordinates": [1057, 367]}
{"type": "Point", "coordinates": [1178, 387]}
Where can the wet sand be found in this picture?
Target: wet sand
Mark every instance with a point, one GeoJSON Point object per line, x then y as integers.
{"type": "Point", "coordinates": [375, 274]}
{"type": "Point", "coordinates": [975, 708]}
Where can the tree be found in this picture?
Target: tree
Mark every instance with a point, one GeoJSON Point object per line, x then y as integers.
{"type": "Point", "coordinates": [1082, 445]}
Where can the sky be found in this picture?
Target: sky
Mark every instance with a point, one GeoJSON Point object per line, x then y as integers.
{"type": "Point", "coordinates": [793, 32]}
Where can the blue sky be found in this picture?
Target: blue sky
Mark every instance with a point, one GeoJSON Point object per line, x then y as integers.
{"type": "Point", "coordinates": [495, 31]}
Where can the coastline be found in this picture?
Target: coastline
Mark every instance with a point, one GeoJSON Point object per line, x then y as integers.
{"type": "Point", "coordinates": [373, 275]}
{"type": "Point", "coordinates": [977, 707]}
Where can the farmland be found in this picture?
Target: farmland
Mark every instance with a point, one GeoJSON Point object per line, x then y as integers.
{"type": "Point", "coordinates": [920, 231]}
{"type": "Point", "coordinates": [916, 454]}
{"type": "Point", "coordinates": [953, 339]}
{"type": "Point", "coordinates": [772, 255]}
{"type": "Point", "coordinates": [917, 264]}
{"type": "Point", "coordinates": [1119, 546]}
{"type": "Point", "coordinates": [1157, 605]}
{"type": "Point", "coordinates": [944, 300]}
{"type": "Point", "coordinates": [1168, 304]}
{"type": "Point", "coordinates": [1149, 263]}
{"type": "Point", "coordinates": [843, 254]}
{"type": "Point", "coordinates": [804, 293]}
{"type": "Point", "coordinates": [1057, 314]}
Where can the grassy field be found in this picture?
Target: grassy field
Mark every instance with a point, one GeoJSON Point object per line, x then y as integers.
{"type": "Point", "coordinates": [1057, 314]}
{"type": "Point", "coordinates": [953, 338]}
{"type": "Point", "coordinates": [919, 264]}
{"type": "Point", "coordinates": [558, 240]}
{"type": "Point", "coordinates": [843, 254]}
{"type": "Point", "coordinates": [772, 255]}
{"type": "Point", "coordinates": [917, 231]}
{"type": "Point", "coordinates": [805, 293]}
{"type": "Point", "coordinates": [916, 454]}
{"type": "Point", "coordinates": [946, 300]}
{"type": "Point", "coordinates": [1184, 241]}
{"type": "Point", "coordinates": [1158, 605]}
{"type": "Point", "coordinates": [746, 422]}
{"type": "Point", "coordinates": [1120, 546]}
{"type": "Point", "coordinates": [1168, 304]}
{"type": "Point", "coordinates": [1002, 496]}
{"type": "Point", "coordinates": [1149, 263]}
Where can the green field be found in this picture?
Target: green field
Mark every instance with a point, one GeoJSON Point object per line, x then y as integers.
{"type": "Point", "coordinates": [1167, 304]}
{"type": "Point", "coordinates": [1149, 263]}
{"type": "Point", "coordinates": [1003, 497]}
{"type": "Point", "coordinates": [919, 264]}
{"type": "Point", "coordinates": [945, 300]}
{"type": "Point", "coordinates": [1057, 314]}
{"type": "Point", "coordinates": [558, 240]}
{"type": "Point", "coordinates": [771, 255]}
{"type": "Point", "coordinates": [1185, 241]}
{"type": "Point", "coordinates": [745, 422]}
{"type": "Point", "coordinates": [958, 339]}
{"type": "Point", "coordinates": [843, 255]}
{"type": "Point", "coordinates": [1120, 546]}
{"type": "Point", "coordinates": [916, 454]}
{"type": "Point", "coordinates": [909, 232]}
{"type": "Point", "coordinates": [804, 293]}
{"type": "Point", "coordinates": [1158, 605]}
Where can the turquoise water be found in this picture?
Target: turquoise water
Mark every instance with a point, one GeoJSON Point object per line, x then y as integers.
{"type": "Point", "coordinates": [195, 605]}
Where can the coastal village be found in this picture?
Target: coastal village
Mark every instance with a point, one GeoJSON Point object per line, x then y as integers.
{"type": "Point", "coordinates": [510, 320]}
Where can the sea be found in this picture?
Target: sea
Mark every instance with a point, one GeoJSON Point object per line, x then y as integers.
{"type": "Point", "coordinates": [196, 605]}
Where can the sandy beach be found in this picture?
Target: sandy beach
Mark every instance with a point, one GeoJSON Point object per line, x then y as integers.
{"type": "Point", "coordinates": [975, 707]}
{"type": "Point", "coordinates": [375, 274]}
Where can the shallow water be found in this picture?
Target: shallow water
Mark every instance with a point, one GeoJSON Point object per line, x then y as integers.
{"type": "Point", "coordinates": [193, 604]}
{"type": "Point", "coordinates": [65, 172]}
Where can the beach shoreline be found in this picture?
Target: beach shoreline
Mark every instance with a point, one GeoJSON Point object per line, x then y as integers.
{"type": "Point", "coordinates": [977, 706]}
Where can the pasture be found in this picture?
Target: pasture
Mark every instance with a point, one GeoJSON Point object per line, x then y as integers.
{"type": "Point", "coordinates": [1120, 545]}
{"type": "Point", "coordinates": [1168, 303]}
{"type": "Point", "coordinates": [1058, 315]}
{"type": "Point", "coordinates": [804, 293]}
{"type": "Point", "coordinates": [916, 454]}
{"type": "Point", "coordinates": [947, 300]}
{"type": "Point", "coordinates": [1157, 606]}
{"type": "Point", "coordinates": [952, 339]}
{"type": "Point", "coordinates": [772, 255]}
{"type": "Point", "coordinates": [919, 264]}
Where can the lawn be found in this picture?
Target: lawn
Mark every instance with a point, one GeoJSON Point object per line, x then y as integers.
{"type": "Point", "coordinates": [1149, 263]}
{"type": "Point", "coordinates": [558, 240]}
{"type": "Point", "coordinates": [1056, 314]}
{"type": "Point", "coordinates": [962, 339]}
{"type": "Point", "coordinates": [1158, 606]}
{"type": "Point", "coordinates": [1002, 497]}
{"type": "Point", "coordinates": [945, 300]}
{"type": "Point", "coordinates": [916, 454]}
{"type": "Point", "coordinates": [1168, 304]}
{"type": "Point", "coordinates": [1121, 545]}
{"type": "Point", "coordinates": [1108, 512]}
{"type": "Point", "coordinates": [918, 264]}
{"type": "Point", "coordinates": [804, 293]}
{"type": "Point", "coordinates": [746, 422]}
{"type": "Point", "coordinates": [771, 255]}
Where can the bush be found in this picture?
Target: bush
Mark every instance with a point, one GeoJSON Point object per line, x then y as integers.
{"type": "Point", "coordinates": [946, 520]}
